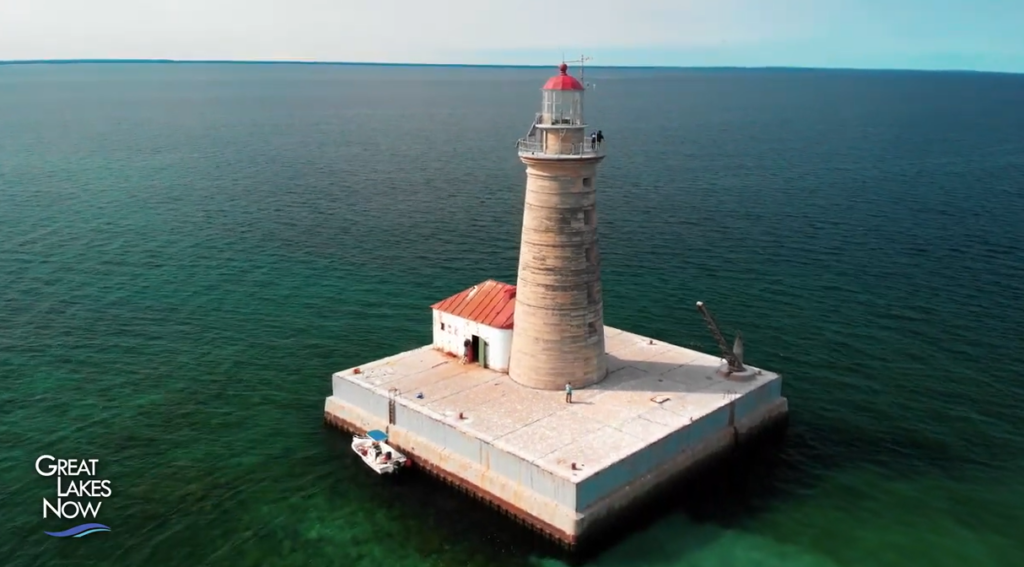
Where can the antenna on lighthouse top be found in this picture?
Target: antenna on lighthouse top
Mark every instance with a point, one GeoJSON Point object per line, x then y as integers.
{"type": "Point", "coordinates": [583, 59]}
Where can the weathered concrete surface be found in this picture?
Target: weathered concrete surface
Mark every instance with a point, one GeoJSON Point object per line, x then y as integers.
{"type": "Point", "coordinates": [543, 515]}
{"type": "Point", "coordinates": [605, 511]}
{"type": "Point", "coordinates": [559, 329]}
{"type": "Point", "coordinates": [655, 392]}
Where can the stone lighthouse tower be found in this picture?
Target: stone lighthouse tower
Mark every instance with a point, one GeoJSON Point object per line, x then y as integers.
{"type": "Point", "coordinates": [559, 315]}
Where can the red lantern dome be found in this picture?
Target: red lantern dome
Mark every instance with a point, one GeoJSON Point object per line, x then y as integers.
{"type": "Point", "coordinates": [563, 81]}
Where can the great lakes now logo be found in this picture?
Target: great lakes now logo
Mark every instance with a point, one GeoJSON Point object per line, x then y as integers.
{"type": "Point", "coordinates": [72, 492]}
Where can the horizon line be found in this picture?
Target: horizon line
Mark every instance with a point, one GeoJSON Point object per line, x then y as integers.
{"type": "Point", "coordinates": [474, 65]}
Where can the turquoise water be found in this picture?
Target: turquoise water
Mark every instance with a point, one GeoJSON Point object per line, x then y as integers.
{"type": "Point", "coordinates": [188, 251]}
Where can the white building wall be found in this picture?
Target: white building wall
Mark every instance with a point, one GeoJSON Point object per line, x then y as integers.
{"type": "Point", "coordinates": [451, 331]}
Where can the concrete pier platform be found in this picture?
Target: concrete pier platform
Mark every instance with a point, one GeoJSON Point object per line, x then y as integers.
{"type": "Point", "coordinates": [566, 469]}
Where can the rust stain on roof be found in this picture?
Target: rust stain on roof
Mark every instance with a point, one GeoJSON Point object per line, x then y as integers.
{"type": "Point", "coordinates": [489, 303]}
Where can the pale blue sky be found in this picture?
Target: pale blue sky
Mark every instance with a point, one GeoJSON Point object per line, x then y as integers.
{"type": "Point", "coordinates": [919, 34]}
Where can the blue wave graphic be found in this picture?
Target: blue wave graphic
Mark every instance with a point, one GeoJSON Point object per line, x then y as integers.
{"type": "Point", "coordinates": [80, 531]}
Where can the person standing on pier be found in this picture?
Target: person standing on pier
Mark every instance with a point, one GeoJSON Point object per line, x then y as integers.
{"type": "Point", "coordinates": [568, 393]}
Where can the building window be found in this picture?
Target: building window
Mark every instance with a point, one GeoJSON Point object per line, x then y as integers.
{"type": "Point", "coordinates": [591, 254]}
{"type": "Point", "coordinates": [442, 326]}
{"type": "Point", "coordinates": [588, 182]}
{"type": "Point", "coordinates": [588, 217]}
{"type": "Point", "coordinates": [591, 328]}
{"type": "Point", "coordinates": [591, 293]}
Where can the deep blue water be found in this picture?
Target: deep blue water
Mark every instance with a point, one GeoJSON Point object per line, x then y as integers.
{"type": "Point", "coordinates": [188, 251]}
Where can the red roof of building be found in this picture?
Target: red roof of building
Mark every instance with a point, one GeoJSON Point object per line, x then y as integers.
{"type": "Point", "coordinates": [490, 303]}
{"type": "Point", "coordinates": [563, 81]}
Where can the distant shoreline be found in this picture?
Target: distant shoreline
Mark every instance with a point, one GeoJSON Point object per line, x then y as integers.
{"type": "Point", "coordinates": [470, 65]}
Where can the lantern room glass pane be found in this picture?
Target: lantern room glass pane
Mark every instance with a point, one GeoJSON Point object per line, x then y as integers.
{"type": "Point", "coordinates": [563, 107]}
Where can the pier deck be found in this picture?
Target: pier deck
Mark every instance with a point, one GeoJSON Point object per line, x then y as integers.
{"type": "Point", "coordinates": [560, 466]}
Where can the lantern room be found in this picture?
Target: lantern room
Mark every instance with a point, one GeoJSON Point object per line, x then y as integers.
{"type": "Point", "coordinates": [562, 101]}
{"type": "Point", "coordinates": [558, 130]}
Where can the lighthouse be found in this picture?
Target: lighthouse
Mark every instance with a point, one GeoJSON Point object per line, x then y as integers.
{"type": "Point", "coordinates": [559, 335]}
{"type": "Point", "coordinates": [481, 406]}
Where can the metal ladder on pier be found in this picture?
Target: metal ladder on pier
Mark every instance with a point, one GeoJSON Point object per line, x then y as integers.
{"type": "Point", "coordinates": [392, 394]}
{"type": "Point", "coordinates": [733, 356]}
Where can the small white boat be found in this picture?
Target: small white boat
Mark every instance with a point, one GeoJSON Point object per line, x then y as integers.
{"type": "Point", "coordinates": [374, 450]}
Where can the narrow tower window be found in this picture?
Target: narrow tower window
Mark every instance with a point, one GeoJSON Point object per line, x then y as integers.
{"type": "Point", "coordinates": [588, 182]}
{"type": "Point", "coordinates": [592, 254]}
{"type": "Point", "coordinates": [588, 217]}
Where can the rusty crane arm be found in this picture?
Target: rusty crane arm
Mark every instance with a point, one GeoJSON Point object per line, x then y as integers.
{"type": "Point", "coordinates": [733, 357]}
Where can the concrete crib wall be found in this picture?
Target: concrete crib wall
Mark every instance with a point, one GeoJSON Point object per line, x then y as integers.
{"type": "Point", "coordinates": [361, 398]}
{"type": "Point", "coordinates": [435, 431]}
{"type": "Point", "coordinates": [491, 459]}
{"type": "Point", "coordinates": [633, 467]}
{"type": "Point", "coordinates": [762, 397]}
